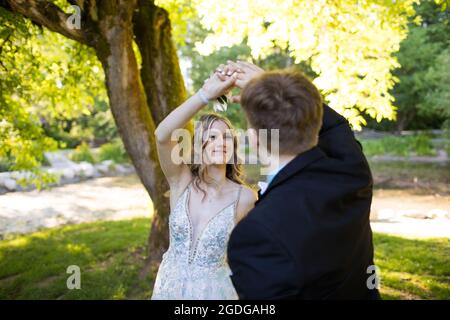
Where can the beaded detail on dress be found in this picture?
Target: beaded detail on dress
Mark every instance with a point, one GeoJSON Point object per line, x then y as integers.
{"type": "Point", "coordinates": [196, 268]}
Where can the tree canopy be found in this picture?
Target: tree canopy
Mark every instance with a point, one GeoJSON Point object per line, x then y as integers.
{"type": "Point", "coordinates": [422, 94]}
{"type": "Point", "coordinates": [43, 77]}
{"type": "Point", "coordinates": [349, 44]}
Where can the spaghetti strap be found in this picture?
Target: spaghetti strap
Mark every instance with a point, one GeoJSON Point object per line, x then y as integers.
{"type": "Point", "coordinates": [184, 191]}
{"type": "Point", "coordinates": [237, 200]}
{"type": "Point", "coordinates": [187, 187]}
{"type": "Point", "coordinates": [239, 194]}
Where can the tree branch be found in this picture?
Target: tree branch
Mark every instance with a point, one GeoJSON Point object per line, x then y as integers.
{"type": "Point", "coordinates": [48, 15]}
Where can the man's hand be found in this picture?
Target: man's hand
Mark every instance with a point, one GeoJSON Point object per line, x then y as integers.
{"type": "Point", "coordinates": [244, 71]}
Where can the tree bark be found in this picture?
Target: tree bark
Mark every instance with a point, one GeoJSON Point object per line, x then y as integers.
{"type": "Point", "coordinates": [49, 15]}
{"type": "Point", "coordinates": [160, 72]}
{"type": "Point", "coordinates": [164, 87]}
{"type": "Point", "coordinates": [134, 111]}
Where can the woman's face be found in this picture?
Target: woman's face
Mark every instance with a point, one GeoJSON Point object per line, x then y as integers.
{"type": "Point", "coordinates": [219, 144]}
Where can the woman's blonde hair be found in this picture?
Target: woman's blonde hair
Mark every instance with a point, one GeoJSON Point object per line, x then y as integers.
{"type": "Point", "coordinates": [199, 171]}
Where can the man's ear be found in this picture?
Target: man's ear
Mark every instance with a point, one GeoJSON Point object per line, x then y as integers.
{"type": "Point", "coordinates": [235, 99]}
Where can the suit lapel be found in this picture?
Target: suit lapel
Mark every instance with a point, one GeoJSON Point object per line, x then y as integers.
{"type": "Point", "coordinates": [297, 164]}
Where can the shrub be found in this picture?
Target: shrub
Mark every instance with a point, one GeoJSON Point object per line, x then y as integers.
{"type": "Point", "coordinates": [113, 151]}
{"type": "Point", "coordinates": [82, 153]}
{"type": "Point", "coordinates": [421, 144]}
{"type": "Point", "coordinates": [399, 146]}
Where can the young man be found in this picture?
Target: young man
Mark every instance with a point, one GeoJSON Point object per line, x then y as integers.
{"type": "Point", "coordinates": [309, 235]}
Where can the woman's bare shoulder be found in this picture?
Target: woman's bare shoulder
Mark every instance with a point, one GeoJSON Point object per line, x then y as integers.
{"type": "Point", "coordinates": [247, 199]}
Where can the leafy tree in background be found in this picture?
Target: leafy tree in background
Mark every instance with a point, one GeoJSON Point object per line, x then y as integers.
{"type": "Point", "coordinates": [349, 44]}
{"type": "Point", "coordinates": [22, 138]}
{"type": "Point", "coordinates": [422, 94]}
{"type": "Point", "coordinates": [47, 83]}
{"type": "Point", "coordinates": [95, 128]}
{"type": "Point", "coordinates": [201, 66]}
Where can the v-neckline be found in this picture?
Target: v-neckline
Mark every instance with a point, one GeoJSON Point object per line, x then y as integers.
{"type": "Point", "coordinates": [188, 211]}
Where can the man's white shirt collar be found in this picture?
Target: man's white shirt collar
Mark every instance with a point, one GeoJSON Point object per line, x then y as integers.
{"type": "Point", "coordinates": [264, 184]}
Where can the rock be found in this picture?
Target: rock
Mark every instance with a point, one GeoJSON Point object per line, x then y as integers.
{"type": "Point", "coordinates": [96, 174]}
{"type": "Point", "coordinates": [110, 165]}
{"type": "Point", "coordinates": [10, 184]}
{"type": "Point", "coordinates": [76, 168]}
{"type": "Point", "coordinates": [59, 159]}
{"type": "Point", "coordinates": [124, 169]}
{"type": "Point", "coordinates": [102, 168]}
{"type": "Point", "coordinates": [18, 175]}
{"type": "Point", "coordinates": [68, 173]}
{"type": "Point", "coordinates": [107, 163]}
{"type": "Point", "coordinates": [121, 169]}
{"type": "Point", "coordinates": [57, 172]}
{"type": "Point", "coordinates": [15, 175]}
{"type": "Point", "coordinates": [88, 170]}
{"type": "Point", "coordinates": [5, 175]}
{"type": "Point", "coordinates": [112, 168]}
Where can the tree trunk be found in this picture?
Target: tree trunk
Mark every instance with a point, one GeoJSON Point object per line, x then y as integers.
{"type": "Point", "coordinates": [164, 87]}
{"type": "Point", "coordinates": [139, 106]}
{"type": "Point", "coordinates": [160, 72]}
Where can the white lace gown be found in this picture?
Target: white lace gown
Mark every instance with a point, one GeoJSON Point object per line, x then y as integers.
{"type": "Point", "coordinates": [196, 269]}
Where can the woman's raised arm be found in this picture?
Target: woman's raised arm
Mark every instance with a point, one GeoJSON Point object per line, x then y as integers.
{"type": "Point", "coordinates": [177, 119]}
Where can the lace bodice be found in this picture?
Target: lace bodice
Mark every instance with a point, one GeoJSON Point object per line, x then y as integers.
{"type": "Point", "coordinates": [193, 267]}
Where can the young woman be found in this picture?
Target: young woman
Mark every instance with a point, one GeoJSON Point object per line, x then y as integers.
{"type": "Point", "coordinates": [207, 199]}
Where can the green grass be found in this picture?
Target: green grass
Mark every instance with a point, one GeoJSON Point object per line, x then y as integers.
{"type": "Point", "coordinates": [110, 255]}
{"type": "Point", "coordinates": [413, 269]}
{"type": "Point", "coordinates": [423, 178]}
{"type": "Point", "coordinates": [399, 146]}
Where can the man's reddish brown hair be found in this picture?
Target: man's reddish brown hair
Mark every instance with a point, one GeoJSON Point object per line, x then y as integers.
{"type": "Point", "coordinates": [286, 100]}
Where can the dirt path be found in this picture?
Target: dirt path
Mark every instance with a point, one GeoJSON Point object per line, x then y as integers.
{"type": "Point", "coordinates": [399, 212]}
{"type": "Point", "coordinates": [411, 213]}
{"type": "Point", "coordinates": [108, 198]}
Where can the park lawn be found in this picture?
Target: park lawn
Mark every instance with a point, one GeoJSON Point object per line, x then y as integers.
{"type": "Point", "coordinates": [413, 268]}
{"type": "Point", "coordinates": [110, 255]}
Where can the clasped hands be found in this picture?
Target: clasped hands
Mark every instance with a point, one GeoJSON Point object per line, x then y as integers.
{"type": "Point", "coordinates": [228, 76]}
